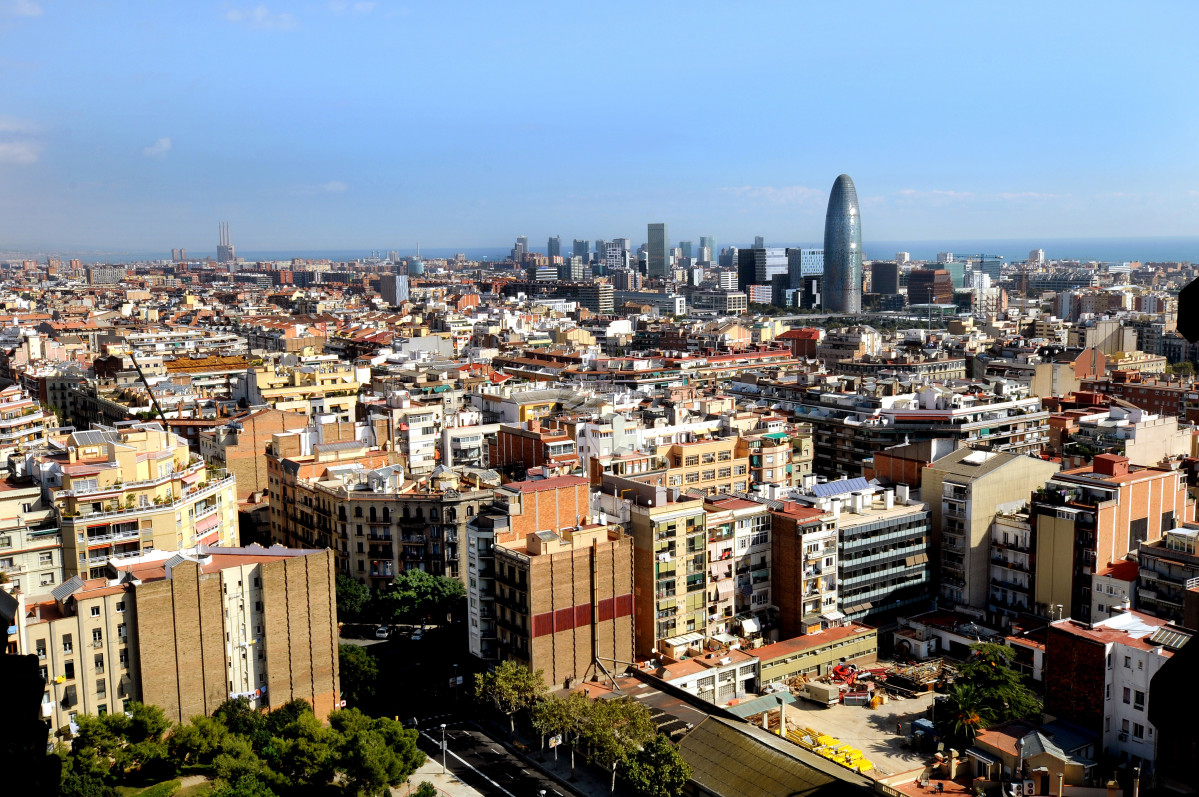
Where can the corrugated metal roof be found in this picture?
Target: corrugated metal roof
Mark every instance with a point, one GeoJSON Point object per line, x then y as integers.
{"type": "Point", "coordinates": [829, 489]}
{"type": "Point", "coordinates": [1168, 637]}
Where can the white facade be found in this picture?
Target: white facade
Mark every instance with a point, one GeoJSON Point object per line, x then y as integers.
{"type": "Point", "coordinates": [1126, 726]}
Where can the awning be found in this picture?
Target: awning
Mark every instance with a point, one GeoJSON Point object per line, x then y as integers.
{"type": "Point", "coordinates": [832, 616]}
{"type": "Point", "coordinates": [986, 758]}
{"type": "Point", "coordinates": [724, 588]}
{"type": "Point", "coordinates": [210, 522]}
{"type": "Point", "coordinates": [750, 626]}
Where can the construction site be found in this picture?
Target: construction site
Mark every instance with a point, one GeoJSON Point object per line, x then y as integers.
{"type": "Point", "coordinates": [874, 720]}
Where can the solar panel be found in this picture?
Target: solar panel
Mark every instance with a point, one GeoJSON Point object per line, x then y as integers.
{"type": "Point", "coordinates": [829, 489]}
{"type": "Point", "coordinates": [67, 588]}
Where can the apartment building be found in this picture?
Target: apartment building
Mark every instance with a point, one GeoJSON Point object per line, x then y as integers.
{"type": "Point", "coordinates": [412, 427]}
{"type": "Point", "coordinates": [30, 541]}
{"type": "Point", "coordinates": [769, 456]}
{"type": "Point", "coordinates": [319, 388]}
{"type": "Point", "coordinates": [564, 602]}
{"type": "Point", "coordinates": [186, 631]}
{"type": "Point", "coordinates": [1143, 437]}
{"type": "Point", "coordinates": [1165, 570]}
{"type": "Point", "coordinates": [518, 449]}
{"type": "Point", "coordinates": [670, 558]}
{"type": "Point", "coordinates": [23, 422]}
{"type": "Point", "coordinates": [804, 577]}
{"type": "Point", "coordinates": [516, 510]}
{"type": "Point", "coordinates": [1085, 519]}
{"type": "Point", "coordinates": [238, 446]}
{"type": "Point", "coordinates": [121, 491]}
{"type": "Point", "coordinates": [965, 489]}
{"type": "Point", "coordinates": [739, 553]}
{"type": "Point", "coordinates": [468, 445]}
{"type": "Point", "coordinates": [1012, 567]}
{"type": "Point", "coordinates": [705, 466]}
{"type": "Point", "coordinates": [1099, 676]}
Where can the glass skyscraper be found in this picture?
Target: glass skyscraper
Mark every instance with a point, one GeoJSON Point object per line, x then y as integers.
{"type": "Point", "coordinates": [843, 249]}
{"type": "Point", "coordinates": [657, 251]}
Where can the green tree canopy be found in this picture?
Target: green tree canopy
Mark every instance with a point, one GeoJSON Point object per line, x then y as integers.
{"type": "Point", "coordinates": [615, 730]}
{"type": "Point", "coordinates": [510, 687]}
{"type": "Point", "coordinates": [353, 598]}
{"type": "Point", "coordinates": [245, 786]}
{"type": "Point", "coordinates": [415, 595]}
{"type": "Point", "coordinates": [358, 671]}
{"type": "Point", "coordinates": [375, 752]}
{"type": "Point", "coordinates": [657, 769]}
{"type": "Point", "coordinates": [1002, 693]}
{"type": "Point", "coordinates": [198, 741]}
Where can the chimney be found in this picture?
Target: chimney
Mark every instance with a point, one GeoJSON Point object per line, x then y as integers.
{"type": "Point", "coordinates": [888, 499]}
{"type": "Point", "coordinates": [901, 493]}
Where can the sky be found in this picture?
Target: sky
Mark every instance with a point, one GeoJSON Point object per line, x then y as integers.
{"type": "Point", "coordinates": [128, 126]}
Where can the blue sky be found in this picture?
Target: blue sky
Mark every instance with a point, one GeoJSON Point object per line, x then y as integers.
{"type": "Point", "coordinates": [322, 125]}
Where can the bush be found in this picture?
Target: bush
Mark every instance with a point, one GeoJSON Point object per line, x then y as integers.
{"type": "Point", "coordinates": [425, 789]}
{"type": "Point", "coordinates": [164, 789]}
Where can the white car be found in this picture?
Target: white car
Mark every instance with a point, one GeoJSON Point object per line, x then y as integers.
{"type": "Point", "coordinates": [417, 636]}
{"type": "Point", "coordinates": [382, 632]}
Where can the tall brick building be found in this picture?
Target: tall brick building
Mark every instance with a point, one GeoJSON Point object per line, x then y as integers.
{"type": "Point", "coordinates": [564, 601]}
{"type": "Point", "coordinates": [187, 631]}
{"type": "Point", "coordinates": [239, 443]}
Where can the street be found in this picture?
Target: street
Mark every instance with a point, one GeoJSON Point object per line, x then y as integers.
{"type": "Point", "coordinates": [482, 763]}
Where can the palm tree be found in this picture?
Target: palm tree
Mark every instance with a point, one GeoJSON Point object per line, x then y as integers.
{"type": "Point", "coordinates": [968, 712]}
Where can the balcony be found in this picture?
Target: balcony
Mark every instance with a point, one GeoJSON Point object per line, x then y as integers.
{"type": "Point", "coordinates": [195, 494]}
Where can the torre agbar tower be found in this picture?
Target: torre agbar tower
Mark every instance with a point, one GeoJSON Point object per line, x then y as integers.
{"type": "Point", "coordinates": [843, 249]}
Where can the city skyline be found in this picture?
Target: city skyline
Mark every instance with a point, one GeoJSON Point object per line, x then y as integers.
{"type": "Point", "coordinates": [107, 145]}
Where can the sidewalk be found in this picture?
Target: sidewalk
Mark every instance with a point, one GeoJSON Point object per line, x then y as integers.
{"type": "Point", "coordinates": [590, 781]}
{"type": "Point", "coordinates": [447, 785]}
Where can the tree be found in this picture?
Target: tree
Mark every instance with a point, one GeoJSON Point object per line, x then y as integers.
{"type": "Point", "coordinates": [374, 753]}
{"type": "Point", "coordinates": [305, 752]}
{"type": "Point", "coordinates": [510, 687]}
{"type": "Point", "coordinates": [237, 760]}
{"type": "Point", "coordinates": [417, 595]}
{"type": "Point", "coordinates": [657, 769]}
{"type": "Point", "coordinates": [245, 786]}
{"type": "Point", "coordinates": [358, 671]}
{"type": "Point", "coordinates": [425, 789]}
{"type": "Point", "coordinates": [615, 730]}
{"type": "Point", "coordinates": [197, 742]}
{"type": "Point", "coordinates": [239, 718]}
{"type": "Point", "coordinates": [353, 598]}
{"type": "Point", "coordinates": [967, 714]}
{"type": "Point", "coordinates": [561, 716]}
{"type": "Point", "coordinates": [1002, 693]}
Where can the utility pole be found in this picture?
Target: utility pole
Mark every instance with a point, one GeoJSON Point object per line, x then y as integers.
{"type": "Point", "coordinates": [443, 748]}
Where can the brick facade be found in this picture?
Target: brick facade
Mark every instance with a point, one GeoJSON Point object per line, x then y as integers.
{"type": "Point", "coordinates": [1074, 678]}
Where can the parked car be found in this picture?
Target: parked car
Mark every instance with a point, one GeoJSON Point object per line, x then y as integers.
{"type": "Point", "coordinates": [417, 635]}
{"type": "Point", "coordinates": [382, 632]}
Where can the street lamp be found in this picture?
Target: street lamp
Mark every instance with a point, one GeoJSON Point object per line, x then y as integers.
{"type": "Point", "coordinates": [443, 748]}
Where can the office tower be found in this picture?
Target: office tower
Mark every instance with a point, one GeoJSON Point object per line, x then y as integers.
{"type": "Point", "coordinates": [393, 288]}
{"type": "Point", "coordinates": [553, 247]}
{"type": "Point", "coordinates": [709, 242]}
{"type": "Point", "coordinates": [944, 257]}
{"type": "Point", "coordinates": [581, 249]}
{"type": "Point", "coordinates": [728, 280]}
{"type": "Point", "coordinates": [759, 266]}
{"type": "Point", "coordinates": [685, 248]}
{"type": "Point", "coordinates": [598, 297]}
{"type": "Point", "coordinates": [617, 255]}
{"type": "Point", "coordinates": [843, 249]}
{"type": "Point", "coordinates": [759, 242]}
{"type": "Point", "coordinates": [601, 250]}
{"type": "Point", "coordinates": [657, 254]}
{"type": "Point", "coordinates": [1037, 257]}
{"type": "Point", "coordinates": [521, 248]}
{"type": "Point", "coordinates": [703, 255]}
{"type": "Point", "coordinates": [803, 263]}
{"type": "Point", "coordinates": [224, 249]}
{"type": "Point", "coordinates": [886, 277]}
{"type": "Point", "coordinates": [903, 258]}
{"type": "Point", "coordinates": [930, 286]}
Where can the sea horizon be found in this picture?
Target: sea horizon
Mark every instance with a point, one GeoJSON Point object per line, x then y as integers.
{"type": "Point", "coordinates": [1103, 250]}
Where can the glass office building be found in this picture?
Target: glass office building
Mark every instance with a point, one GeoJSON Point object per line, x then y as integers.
{"type": "Point", "coordinates": [843, 249]}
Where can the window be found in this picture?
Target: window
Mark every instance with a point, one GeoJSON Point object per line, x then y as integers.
{"type": "Point", "coordinates": [121, 632]}
{"type": "Point", "coordinates": [1138, 701]}
{"type": "Point", "coordinates": [97, 636]}
{"type": "Point", "coordinates": [95, 611]}
{"type": "Point", "coordinates": [1127, 665]}
{"type": "Point", "coordinates": [67, 643]}
{"type": "Point", "coordinates": [1127, 695]}
{"type": "Point", "coordinates": [40, 648]}
{"type": "Point", "coordinates": [120, 606]}
{"type": "Point", "coordinates": [1107, 692]}
{"type": "Point", "coordinates": [46, 580]}
{"type": "Point", "coordinates": [123, 657]}
{"type": "Point", "coordinates": [102, 709]}
{"type": "Point", "coordinates": [45, 558]}
{"type": "Point", "coordinates": [99, 663]}
{"type": "Point", "coordinates": [68, 670]}
{"type": "Point", "coordinates": [101, 687]}
{"type": "Point", "coordinates": [1138, 731]}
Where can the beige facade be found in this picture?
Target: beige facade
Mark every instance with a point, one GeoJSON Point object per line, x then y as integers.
{"type": "Point", "coordinates": [30, 543]}
{"type": "Point", "coordinates": [965, 490]}
{"type": "Point", "coordinates": [187, 632]}
{"type": "Point", "coordinates": [127, 490]}
{"type": "Point", "coordinates": [711, 466]}
{"type": "Point", "coordinates": [324, 387]}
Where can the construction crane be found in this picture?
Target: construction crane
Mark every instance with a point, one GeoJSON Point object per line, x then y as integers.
{"type": "Point", "coordinates": [153, 399]}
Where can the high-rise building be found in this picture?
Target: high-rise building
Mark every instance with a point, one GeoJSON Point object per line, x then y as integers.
{"type": "Point", "coordinates": [759, 242]}
{"type": "Point", "coordinates": [903, 257]}
{"type": "Point", "coordinates": [393, 288]}
{"type": "Point", "coordinates": [601, 250]}
{"type": "Point", "coordinates": [944, 257]}
{"type": "Point", "coordinates": [843, 249]}
{"type": "Point", "coordinates": [929, 286]}
{"type": "Point", "coordinates": [803, 263]}
{"type": "Point", "coordinates": [224, 249]}
{"type": "Point", "coordinates": [1037, 257]}
{"type": "Point", "coordinates": [581, 249]}
{"type": "Point", "coordinates": [520, 248]}
{"type": "Point", "coordinates": [885, 277]}
{"type": "Point", "coordinates": [708, 242]}
{"type": "Point", "coordinates": [759, 266]}
{"type": "Point", "coordinates": [658, 251]}
{"type": "Point", "coordinates": [685, 249]}
{"type": "Point", "coordinates": [553, 247]}
{"type": "Point", "coordinates": [617, 254]}
{"type": "Point", "coordinates": [597, 297]}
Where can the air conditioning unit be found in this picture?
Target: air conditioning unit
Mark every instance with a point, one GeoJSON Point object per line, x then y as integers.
{"type": "Point", "coordinates": [1123, 737]}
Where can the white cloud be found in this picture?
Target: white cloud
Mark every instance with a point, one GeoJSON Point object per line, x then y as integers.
{"type": "Point", "coordinates": [342, 6]}
{"type": "Point", "coordinates": [158, 150]}
{"type": "Point", "coordinates": [20, 152]}
{"type": "Point", "coordinates": [10, 125]}
{"type": "Point", "coordinates": [778, 195]}
{"type": "Point", "coordinates": [261, 17]}
{"type": "Point", "coordinates": [334, 187]}
{"type": "Point", "coordinates": [25, 8]}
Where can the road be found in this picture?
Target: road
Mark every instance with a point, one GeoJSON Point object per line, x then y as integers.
{"type": "Point", "coordinates": [482, 763]}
